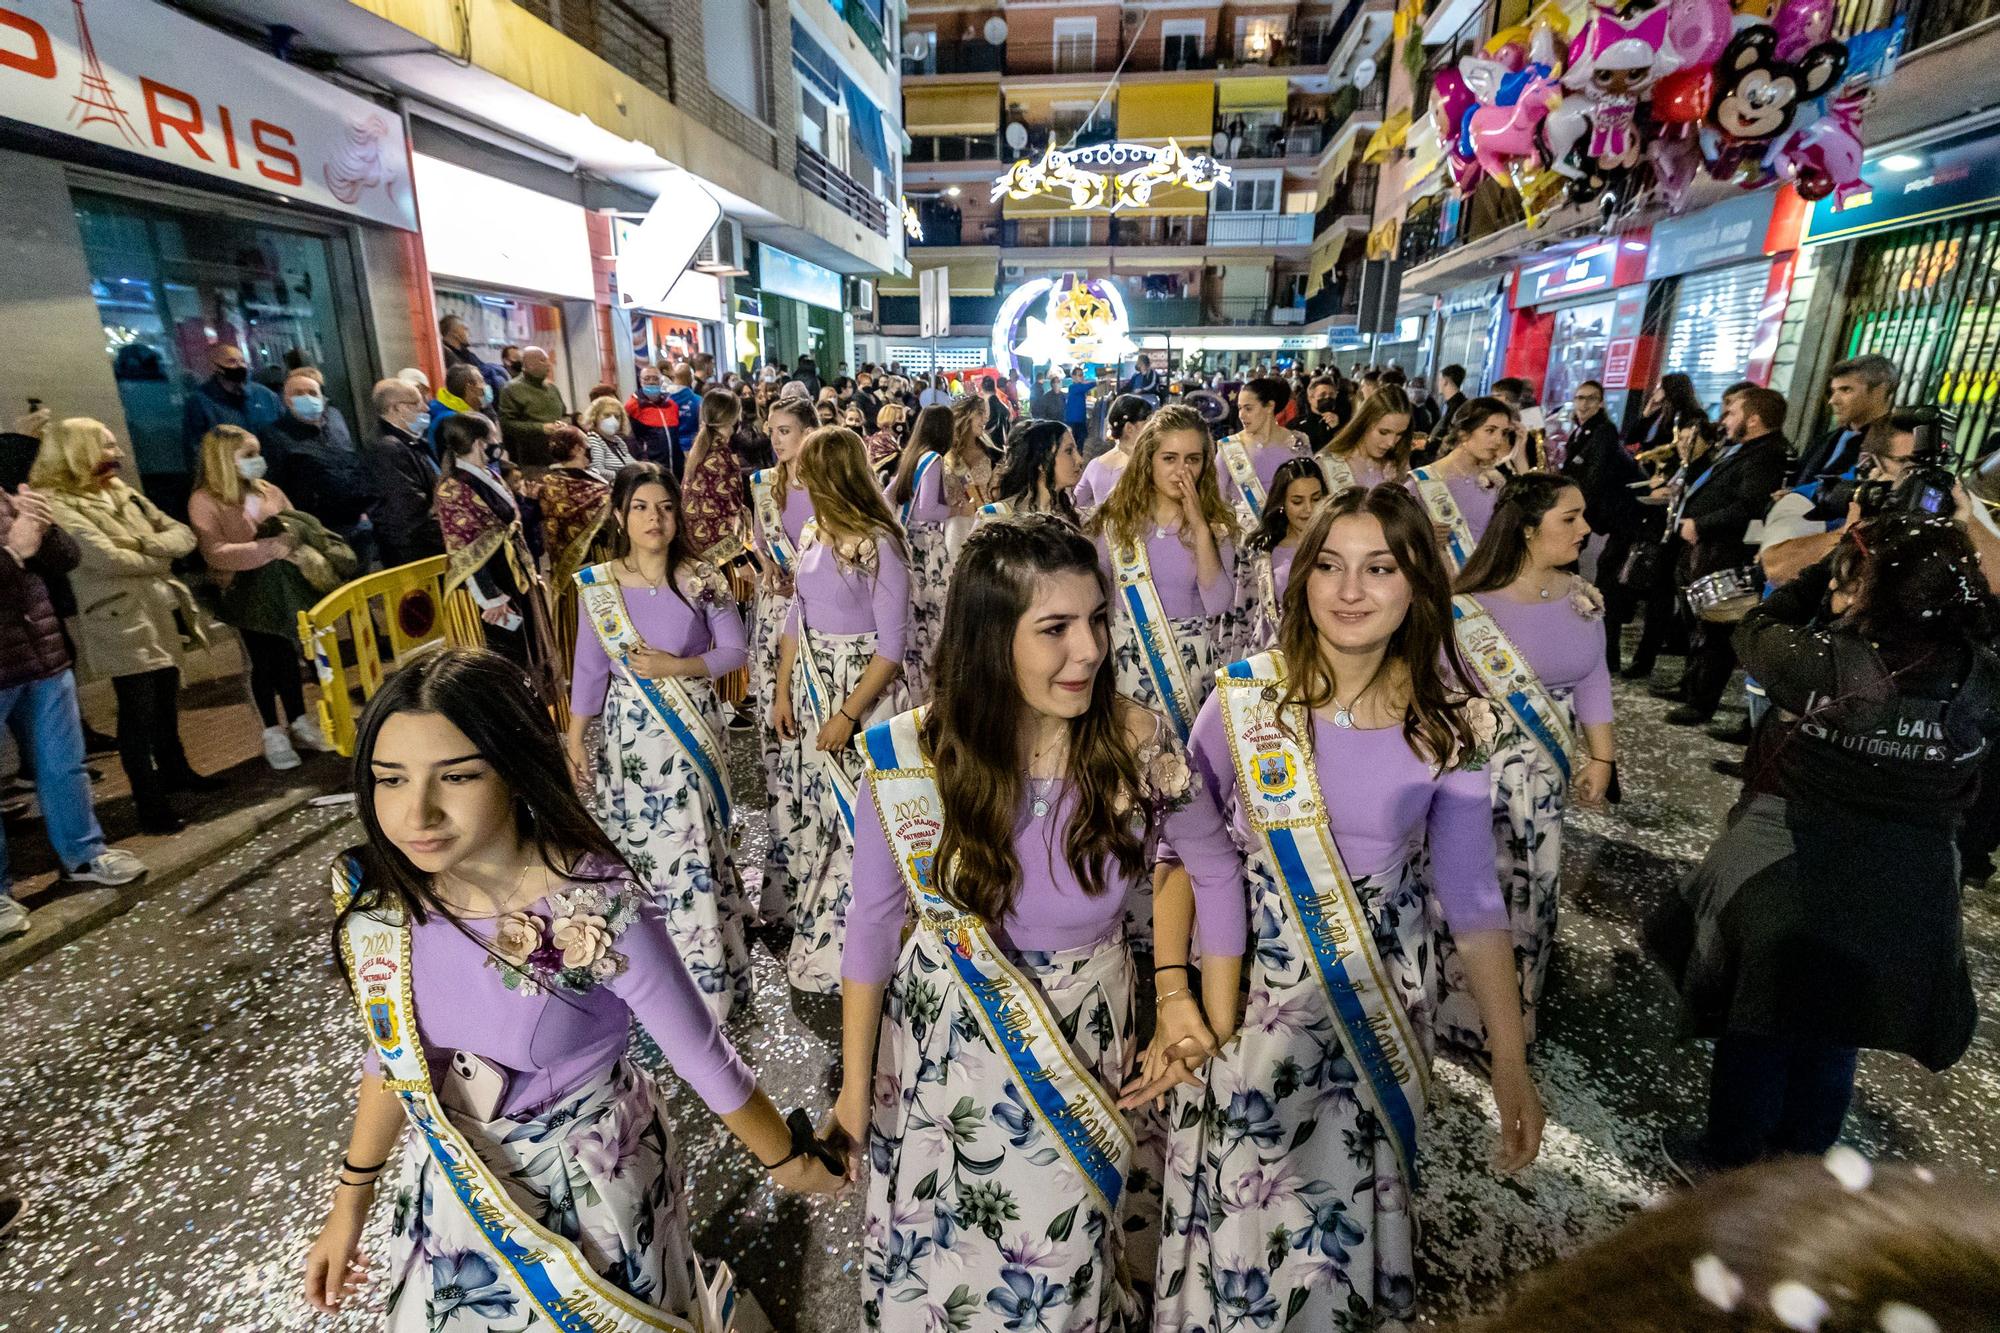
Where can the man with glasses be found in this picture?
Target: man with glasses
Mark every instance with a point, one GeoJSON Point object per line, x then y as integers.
{"type": "Point", "coordinates": [1595, 459]}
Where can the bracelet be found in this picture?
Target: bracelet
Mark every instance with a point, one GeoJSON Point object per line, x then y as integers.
{"type": "Point", "coordinates": [1171, 967]}
{"type": "Point", "coordinates": [1600, 759]}
{"type": "Point", "coordinates": [354, 1184]}
{"type": "Point", "coordinates": [849, 716]}
{"type": "Point", "coordinates": [346, 1165]}
{"type": "Point", "coordinates": [1171, 995]}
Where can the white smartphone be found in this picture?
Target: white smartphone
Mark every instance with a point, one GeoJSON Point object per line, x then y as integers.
{"type": "Point", "coordinates": [473, 1086]}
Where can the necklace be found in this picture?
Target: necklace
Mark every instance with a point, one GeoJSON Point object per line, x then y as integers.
{"type": "Point", "coordinates": [1039, 788]}
{"type": "Point", "coordinates": [652, 588]}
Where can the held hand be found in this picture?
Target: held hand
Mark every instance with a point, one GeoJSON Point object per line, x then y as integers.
{"type": "Point", "coordinates": [1687, 531]}
{"type": "Point", "coordinates": [579, 761]}
{"type": "Point", "coordinates": [652, 663]}
{"type": "Point", "coordinates": [335, 1265]}
{"type": "Point", "coordinates": [847, 1127]}
{"type": "Point", "coordinates": [1593, 782]}
{"type": "Point", "coordinates": [1185, 1029]}
{"type": "Point", "coordinates": [1159, 1073]}
{"type": "Point", "coordinates": [1520, 1107]}
{"type": "Point", "coordinates": [786, 725]}
{"type": "Point", "coordinates": [497, 615]}
{"type": "Point", "coordinates": [807, 1175]}
{"type": "Point", "coordinates": [835, 735]}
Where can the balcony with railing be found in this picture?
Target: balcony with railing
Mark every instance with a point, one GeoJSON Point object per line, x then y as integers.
{"type": "Point", "coordinates": [975, 55]}
{"type": "Point", "coordinates": [1260, 229]}
{"type": "Point", "coordinates": [1153, 313]}
{"type": "Point", "coordinates": [841, 190]}
{"type": "Point", "coordinates": [1928, 21]}
{"type": "Point", "coordinates": [626, 39]}
{"type": "Point", "coordinates": [1354, 197]}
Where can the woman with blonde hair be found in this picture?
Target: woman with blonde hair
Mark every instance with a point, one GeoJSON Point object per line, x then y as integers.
{"type": "Point", "coordinates": [838, 665]}
{"type": "Point", "coordinates": [887, 441]}
{"type": "Point", "coordinates": [1372, 448]}
{"type": "Point", "coordinates": [132, 613]}
{"type": "Point", "coordinates": [607, 430]}
{"type": "Point", "coordinates": [969, 469]}
{"type": "Point", "coordinates": [917, 495]}
{"type": "Point", "coordinates": [259, 551]}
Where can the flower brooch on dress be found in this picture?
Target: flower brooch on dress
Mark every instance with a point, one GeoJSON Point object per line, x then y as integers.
{"type": "Point", "coordinates": [571, 950]}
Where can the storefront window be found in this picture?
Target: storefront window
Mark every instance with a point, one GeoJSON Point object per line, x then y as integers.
{"type": "Point", "coordinates": [1577, 344]}
{"type": "Point", "coordinates": [1716, 318]}
{"type": "Point", "coordinates": [170, 284]}
{"type": "Point", "coordinates": [496, 321]}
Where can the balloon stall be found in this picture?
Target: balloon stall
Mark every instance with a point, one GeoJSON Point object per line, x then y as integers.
{"type": "Point", "coordinates": [1645, 98]}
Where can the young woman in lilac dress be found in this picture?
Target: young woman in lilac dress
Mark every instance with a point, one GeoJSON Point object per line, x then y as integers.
{"type": "Point", "coordinates": [656, 627]}
{"type": "Point", "coordinates": [1041, 470]}
{"type": "Point", "coordinates": [779, 509]}
{"type": "Point", "coordinates": [1459, 490]}
{"type": "Point", "coordinates": [1532, 633]}
{"type": "Point", "coordinates": [1374, 447]}
{"type": "Point", "coordinates": [839, 664]}
{"type": "Point", "coordinates": [1122, 420]}
{"type": "Point", "coordinates": [917, 496]}
{"type": "Point", "coordinates": [1347, 761]}
{"type": "Point", "coordinates": [1015, 815]}
{"type": "Point", "coordinates": [1247, 463]}
{"type": "Point", "coordinates": [1296, 491]}
{"type": "Point", "coordinates": [499, 949]}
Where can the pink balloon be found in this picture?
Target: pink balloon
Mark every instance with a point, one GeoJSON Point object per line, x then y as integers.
{"type": "Point", "coordinates": [1675, 160]}
{"type": "Point", "coordinates": [1501, 134]}
{"type": "Point", "coordinates": [1699, 29]}
{"type": "Point", "coordinates": [1802, 25]}
{"type": "Point", "coordinates": [1822, 158]}
{"type": "Point", "coordinates": [1513, 55]}
{"type": "Point", "coordinates": [1454, 98]}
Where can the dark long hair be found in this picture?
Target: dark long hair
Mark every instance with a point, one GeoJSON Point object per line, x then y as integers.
{"type": "Point", "coordinates": [1031, 459]}
{"type": "Point", "coordinates": [1680, 397]}
{"type": "Point", "coordinates": [626, 485]}
{"type": "Point", "coordinates": [1503, 548]}
{"type": "Point", "coordinates": [1476, 412]}
{"type": "Point", "coordinates": [1434, 722]}
{"type": "Point", "coordinates": [931, 435]}
{"type": "Point", "coordinates": [1273, 527]}
{"type": "Point", "coordinates": [493, 702]}
{"type": "Point", "coordinates": [1125, 410]}
{"type": "Point", "coordinates": [972, 732]}
{"type": "Point", "coordinates": [1916, 581]}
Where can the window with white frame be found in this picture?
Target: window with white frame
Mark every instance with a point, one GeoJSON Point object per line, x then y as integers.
{"type": "Point", "coordinates": [1075, 44]}
{"type": "Point", "coordinates": [1069, 231]}
{"type": "Point", "coordinates": [1248, 194]}
{"type": "Point", "coordinates": [735, 39]}
{"type": "Point", "coordinates": [1183, 43]}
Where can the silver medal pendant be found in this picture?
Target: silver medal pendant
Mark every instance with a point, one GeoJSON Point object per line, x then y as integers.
{"type": "Point", "coordinates": [1343, 718]}
{"type": "Point", "coordinates": [1040, 807]}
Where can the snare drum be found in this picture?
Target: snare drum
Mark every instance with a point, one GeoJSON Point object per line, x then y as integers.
{"type": "Point", "coordinates": [1727, 595]}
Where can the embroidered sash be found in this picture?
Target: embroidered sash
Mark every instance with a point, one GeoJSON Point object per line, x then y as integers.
{"type": "Point", "coordinates": [1508, 679]}
{"type": "Point", "coordinates": [1280, 794]}
{"type": "Point", "coordinates": [1236, 457]}
{"type": "Point", "coordinates": [996, 509]}
{"type": "Point", "coordinates": [548, 1269]}
{"type": "Point", "coordinates": [924, 465]}
{"type": "Point", "coordinates": [1437, 498]}
{"type": "Point", "coordinates": [1078, 1111]}
{"type": "Point", "coordinates": [820, 703]}
{"type": "Point", "coordinates": [604, 605]}
{"type": "Point", "coordinates": [1158, 652]}
{"type": "Point", "coordinates": [771, 518]}
{"type": "Point", "coordinates": [1339, 473]}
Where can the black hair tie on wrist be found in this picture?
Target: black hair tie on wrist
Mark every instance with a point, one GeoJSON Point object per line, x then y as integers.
{"type": "Point", "coordinates": [376, 1169]}
{"type": "Point", "coordinates": [807, 1143]}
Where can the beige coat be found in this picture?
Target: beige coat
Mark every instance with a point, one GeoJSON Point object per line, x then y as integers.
{"type": "Point", "coordinates": [131, 610]}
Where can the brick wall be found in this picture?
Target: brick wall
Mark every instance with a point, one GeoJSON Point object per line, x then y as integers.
{"type": "Point", "coordinates": [683, 18]}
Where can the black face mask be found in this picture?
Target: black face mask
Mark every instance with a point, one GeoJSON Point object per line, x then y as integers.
{"type": "Point", "coordinates": [234, 374]}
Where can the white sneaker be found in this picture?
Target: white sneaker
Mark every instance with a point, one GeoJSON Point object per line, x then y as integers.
{"type": "Point", "coordinates": [306, 735]}
{"type": "Point", "coordinates": [278, 751]}
{"type": "Point", "coordinates": [112, 866]}
{"type": "Point", "coordinates": [13, 918]}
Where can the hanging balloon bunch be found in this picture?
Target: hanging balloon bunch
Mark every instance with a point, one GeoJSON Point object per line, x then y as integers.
{"type": "Point", "coordinates": [1648, 96]}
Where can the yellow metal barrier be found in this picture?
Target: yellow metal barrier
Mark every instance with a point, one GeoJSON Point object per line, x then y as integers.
{"type": "Point", "coordinates": [409, 604]}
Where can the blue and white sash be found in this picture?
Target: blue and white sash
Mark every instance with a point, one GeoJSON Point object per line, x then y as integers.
{"type": "Point", "coordinates": [1339, 473]}
{"type": "Point", "coordinates": [1437, 498]}
{"type": "Point", "coordinates": [1235, 456]}
{"type": "Point", "coordinates": [1078, 1111]}
{"type": "Point", "coordinates": [1508, 680]}
{"type": "Point", "coordinates": [924, 466]}
{"type": "Point", "coordinates": [821, 704]}
{"type": "Point", "coordinates": [546, 1268]}
{"type": "Point", "coordinates": [1280, 795]}
{"type": "Point", "coordinates": [770, 509]}
{"type": "Point", "coordinates": [604, 606]}
{"type": "Point", "coordinates": [996, 509]}
{"type": "Point", "coordinates": [1158, 652]}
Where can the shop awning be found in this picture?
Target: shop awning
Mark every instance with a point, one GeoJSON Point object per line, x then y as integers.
{"type": "Point", "coordinates": [1171, 201]}
{"type": "Point", "coordinates": [1150, 112]}
{"type": "Point", "coordinates": [972, 108]}
{"type": "Point", "coordinates": [1264, 94]}
{"type": "Point", "coordinates": [969, 277]}
{"type": "Point", "coordinates": [867, 120]}
{"type": "Point", "coordinates": [1388, 138]}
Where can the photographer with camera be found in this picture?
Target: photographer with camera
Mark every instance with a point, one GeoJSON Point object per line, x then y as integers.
{"type": "Point", "coordinates": [1827, 917]}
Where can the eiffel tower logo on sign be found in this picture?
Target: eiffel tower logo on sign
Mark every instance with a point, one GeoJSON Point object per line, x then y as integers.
{"type": "Point", "coordinates": [95, 101]}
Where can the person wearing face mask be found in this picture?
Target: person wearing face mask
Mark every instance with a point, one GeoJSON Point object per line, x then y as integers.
{"type": "Point", "coordinates": [133, 613]}
{"type": "Point", "coordinates": [228, 397]}
{"type": "Point", "coordinates": [605, 430]}
{"type": "Point", "coordinates": [406, 474]}
{"type": "Point", "coordinates": [312, 458]}
{"type": "Point", "coordinates": [654, 419]}
{"type": "Point", "coordinates": [259, 553]}
{"type": "Point", "coordinates": [1321, 420]}
{"type": "Point", "coordinates": [457, 340]}
{"type": "Point", "coordinates": [680, 388]}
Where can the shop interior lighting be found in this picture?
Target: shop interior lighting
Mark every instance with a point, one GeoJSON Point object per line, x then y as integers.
{"type": "Point", "coordinates": [1902, 162]}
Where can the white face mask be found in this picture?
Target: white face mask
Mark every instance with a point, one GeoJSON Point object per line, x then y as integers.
{"type": "Point", "coordinates": [251, 468]}
{"type": "Point", "coordinates": [607, 425]}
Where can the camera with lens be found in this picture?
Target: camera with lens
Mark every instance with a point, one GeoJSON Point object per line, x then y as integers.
{"type": "Point", "coordinates": [1925, 486]}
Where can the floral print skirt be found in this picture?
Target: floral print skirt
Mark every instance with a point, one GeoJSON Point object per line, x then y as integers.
{"type": "Point", "coordinates": [930, 576]}
{"type": "Point", "coordinates": [1529, 794]}
{"type": "Point", "coordinates": [976, 1221]}
{"type": "Point", "coordinates": [821, 855]}
{"type": "Point", "coordinates": [598, 1167]}
{"type": "Point", "coordinates": [767, 627]}
{"type": "Point", "coordinates": [649, 800]}
{"type": "Point", "coordinates": [1286, 1207]}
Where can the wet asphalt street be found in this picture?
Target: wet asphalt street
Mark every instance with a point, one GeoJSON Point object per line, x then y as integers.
{"type": "Point", "coordinates": [177, 1087]}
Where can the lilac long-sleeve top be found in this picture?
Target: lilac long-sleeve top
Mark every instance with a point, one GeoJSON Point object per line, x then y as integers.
{"type": "Point", "coordinates": [835, 598]}
{"type": "Point", "coordinates": [1265, 460]}
{"type": "Point", "coordinates": [1383, 804]}
{"type": "Point", "coordinates": [1100, 474]}
{"type": "Point", "coordinates": [1566, 650]}
{"type": "Point", "coordinates": [1051, 912]}
{"type": "Point", "coordinates": [708, 628]}
{"type": "Point", "coordinates": [548, 1045]}
{"type": "Point", "coordinates": [1473, 500]}
{"type": "Point", "coordinates": [928, 504]}
{"type": "Point", "coordinates": [1172, 561]}
{"type": "Point", "coordinates": [1281, 568]}
{"type": "Point", "coordinates": [798, 509]}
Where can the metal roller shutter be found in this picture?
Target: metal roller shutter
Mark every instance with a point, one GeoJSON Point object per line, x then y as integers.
{"type": "Point", "coordinates": [1715, 327]}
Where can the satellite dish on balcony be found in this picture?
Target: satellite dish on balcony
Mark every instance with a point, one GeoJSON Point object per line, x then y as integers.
{"type": "Point", "coordinates": [995, 30]}
{"type": "Point", "coordinates": [1364, 71]}
{"type": "Point", "coordinates": [1219, 143]}
{"type": "Point", "coordinates": [916, 45]}
{"type": "Point", "coordinates": [1017, 135]}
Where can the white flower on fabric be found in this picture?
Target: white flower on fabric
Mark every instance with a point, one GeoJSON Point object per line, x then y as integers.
{"type": "Point", "coordinates": [582, 939]}
{"type": "Point", "coordinates": [1849, 1167]}
{"type": "Point", "coordinates": [1716, 1284]}
{"type": "Point", "coordinates": [1897, 1317]}
{"type": "Point", "coordinates": [1798, 1306]}
{"type": "Point", "coordinates": [1587, 601]}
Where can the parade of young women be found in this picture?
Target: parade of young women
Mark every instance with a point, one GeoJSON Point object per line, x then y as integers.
{"type": "Point", "coordinates": [1296, 490]}
{"type": "Point", "coordinates": [779, 509]}
{"type": "Point", "coordinates": [1041, 469]}
{"type": "Point", "coordinates": [1460, 488]}
{"type": "Point", "coordinates": [916, 493]}
{"type": "Point", "coordinates": [1246, 462]}
{"type": "Point", "coordinates": [1374, 446]}
{"type": "Point", "coordinates": [1122, 420]}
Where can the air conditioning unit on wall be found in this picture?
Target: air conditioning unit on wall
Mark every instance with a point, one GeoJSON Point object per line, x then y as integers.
{"type": "Point", "coordinates": [722, 252]}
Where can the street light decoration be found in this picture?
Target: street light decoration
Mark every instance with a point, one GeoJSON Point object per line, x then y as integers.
{"type": "Point", "coordinates": [1083, 322]}
{"type": "Point", "coordinates": [912, 224]}
{"type": "Point", "coordinates": [1109, 176]}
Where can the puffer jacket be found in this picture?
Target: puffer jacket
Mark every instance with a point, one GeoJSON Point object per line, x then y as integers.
{"type": "Point", "coordinates": [132, 612]}
{"type": "Point", "coordinates": [31, 644]}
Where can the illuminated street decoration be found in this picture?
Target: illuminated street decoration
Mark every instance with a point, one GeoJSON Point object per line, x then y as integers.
{"type": "Point", "coordinates": [1082, 322]}
{"type": "Point", "coordinates": [1109, 176]}
{"type": "Point", "coordinates": [912, 223]}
